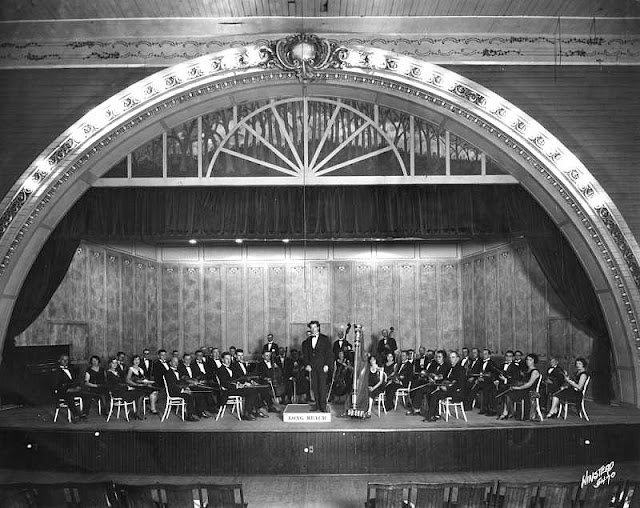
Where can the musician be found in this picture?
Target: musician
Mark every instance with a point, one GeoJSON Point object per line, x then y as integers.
{"type": "Point", "coordinates": [464, 359]}
{"type": "Point", "coordinates": [178, 388]}
{"type": "Point", "coordinates": [146, 363]}
{"type": "Point", "coordinates": [233, 351]}
{"type": "Point", "coordinates": [67, 388]}
{"type": "Point", "coordinates": [342, 344]}
{"type": "Point", "coordinates": [118, 388]}
{"type": "Point", "coordinates": [281, 359]}
{"type": "Point", "coordinates": [376, 381]}
{"type": "Point", "coordinates": [522, 391]}
{"type": "Point", "coordinates": [473, 371]}
{"type": "Point", "coordinates": [239, 366]}
{"type": "Point", "coordinates": [435, 373]}
{"type": "Point", "coordinates": [453, 385]}
{"type": "Point", "coordinates": [553, 380]}
{"type": "Point", "coordinates": [160, 367]}
{"type": "Point", "coordinates": [412, 356]}
{"type": "Point", "coordinates": [422, 361]}
{"type": "Point", "coordinates": [202, 395]}
{"type": "Point", "coordinates": [296, 375]}
{"type": "Point", "coordinates": [216, 361]}
{"type": "Point", "coordinates": [95, 383]}
{"type": "Point", "coordinates": [270, 346]}
{"type": "Point", "coordinates": [318, 357]}
{"type": "Point", "coordinates": [508, 376]}
{"type": "Point", "coordinates": [231, 384]}
{"type": "Point", "coordinates": [202, 371]}
{"type": "Point", "coordinates": [484, 385]}
{"type": "Point", "coordinates": [386, 344]}
{"type": "Point", "coordinates": [572, 391]}
{"type": "Point", "coordinates": [122, 368]}
{"type": "Point", "coordinates": [343, 376]}
{"type": "Point", "coordinates": [517, 359]}
{"type": "Point", "coordinates": [136, 378]}
{"type": "Point", "coordinates": [399, 378]}
{"type": "Point", "coordinates": [267, 371]}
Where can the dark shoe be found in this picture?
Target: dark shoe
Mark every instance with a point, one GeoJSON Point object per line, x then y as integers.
{"type": "Point", "coordinates": [491, 413]}
{"type": "Point", "coordinates": [482, 412]}
{"type": "Point", "coordinates": [75, 419]}
{"type": "Point", "coordinates": [153, 412]}
{"type": "Point", "coordinates": [325, 410]}
{"type": "Point", "coordinates": [83, 415]}
{"type": "Point", "coordinates": [411, 412]}
{"type": "Point", "coordinates": [272, 409]}
{"type": "Point", "coordinates": [204, 415]}
{"type": "Point", "coordinates": [260, 414]}
{"type": "Point", "coordinates": [313, 408]}
{"type": "Point", "coordinates": [192, 418]}
{"type": "Point", "coordinates": [503, 417]}
{"type": "Point", "coordinates": [251, 418]}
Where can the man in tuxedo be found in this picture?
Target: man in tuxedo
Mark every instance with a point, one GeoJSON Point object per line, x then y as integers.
{"type": "Point", "coordinates": [67, 388]}
{"type": "Point", "coordinates": [519, 362]}
{"type": "Point", "coordinates": [122, 367]}
{"type": "Point", "coordinates": [239, 366]}
{"type": "Point", "coordinates": [281, 358]}
{"type": "Point", "coordinates": [453, 385]}
{"type": "Point", "coordinates": [509, 375]}
{"type": "Point", "coordinates": [267, 371]}
{"type": "Point", "coordinates": [436, 372]}
{"type": "Point", "coordinates": [341, 344]}
{"type": "Point", "coordinates": [204, 373]}
{"type": "Point", "coordinates": [295, 374]}
{"type": "Point", "coordinates": [160, 367]}
{"type": "Point", "coordinates": [178, 388]}
{"type": "Point", "coordinates": [464, 359]}
{"type": "Point", "coordinates": [146, 364]}
{"type": "Point", "coordinates": [270, 346]}
{"type": "Point", "coordinates": [553, 380]}
{"type": "Point", "coordinates": [484, 385]}
{"type": "Point", "coordinates": [318, 356]}
{"type": "Point", "coordinates": [215, 361]}
{"type": "Point", "coordinates": [189, 373]}
{"type": "Point", "coordinates": [231, 384]}
{"type": "Point", "coordinates": [402, 379]}
{"type": "Point", "coordinates": [387, 344]}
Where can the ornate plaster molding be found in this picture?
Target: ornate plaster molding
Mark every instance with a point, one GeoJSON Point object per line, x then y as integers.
{"type": "Point", "coordinates": [310, 58]}
{"type": "Point", "coordinates": [484, 49]}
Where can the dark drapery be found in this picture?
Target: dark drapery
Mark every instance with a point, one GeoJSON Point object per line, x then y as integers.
{"type": "Point", "coordinates": [452, 212]}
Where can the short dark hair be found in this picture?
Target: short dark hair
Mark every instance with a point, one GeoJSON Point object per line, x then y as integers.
{"type": "Point", "coordinates": [198, 351]}
{"type": "Point", "coordinates": [134, 357]}
{"type": "Point", "coordinates": [583, 360]}
{"type": "Point", "coordinates": [508, 351]}
{"type": "Point", "coordinates": [486, 349]}
{"type": "Point", "coordinates": [92, 357]}
{"type": "Point", "coordinates": [186, 354]}
{"type": "Point", "coordinates": [120, 353]}
{"type": "Point", "coordinates": [317, 323]}
{"type": "Point", "coordinates": [518, 351]}
{"type": "Point", "coordinates": [534, 357]}
{"type": "Point", "coordinates": [225, 353]}
{"type": "Point", "coordinates": [240, 350]}
{"type": "Point", "coordinates": [162, 351]}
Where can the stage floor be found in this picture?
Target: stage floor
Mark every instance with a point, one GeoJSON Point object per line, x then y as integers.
{"type": "Point", "coordinates": [33, 418]}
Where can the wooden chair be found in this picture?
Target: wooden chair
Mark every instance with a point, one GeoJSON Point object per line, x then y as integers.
{"type": "Point", "coordinates": [235, 401]}
{"type": "Point", "coordinates": [580, 406]}
{"type": "Point", "coordinates": [470, 495]}
{"type": "Point", "coordinates": [177, 402]}
{"type": "Point", "coordinates": [387, 496]}
{"type": "Point", "coordinates": [63, 405]}
{"type": "Point", "coordinates": [431, 495]}
{"type": "Point", "coordinates": [516, 495]}
{"type": "Point", "coordinates": [445, 405]}
{"type": "Point", "coordinates": [404, 393]}
{"type": "Point", "coordinates": [223, 496]}
{"type": "Point", "coordinates": [119, 402]}
{"type": "Point", "coordinates": [560, 495]}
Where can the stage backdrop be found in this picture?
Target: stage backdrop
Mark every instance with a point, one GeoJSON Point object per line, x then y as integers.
{"type": "Point", "coordinates": [434, 294]}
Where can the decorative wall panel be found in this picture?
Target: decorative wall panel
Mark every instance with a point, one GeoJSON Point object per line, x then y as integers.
{"type": "Point", "coordinates": [496, 297]}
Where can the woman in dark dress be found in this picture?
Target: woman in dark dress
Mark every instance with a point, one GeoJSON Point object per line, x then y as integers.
{"type": "Point", "coordinates": [523, 391]}
{"type": "Point", "coordinates": [572, 392]}
{"type": "Point", "coordinates": [118, 388]}
{"type": "Point", "coordinates": [95, 382]}
{"type": "Point", "coordinates": [375, 382]}
{"type": "Point", "coordinates": [136, 379]}
{"type": "Point", "coordinates": [392, 383]}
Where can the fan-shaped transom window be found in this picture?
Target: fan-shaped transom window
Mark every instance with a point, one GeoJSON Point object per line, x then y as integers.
{"type": "Point", "coordinates": [305, 138]}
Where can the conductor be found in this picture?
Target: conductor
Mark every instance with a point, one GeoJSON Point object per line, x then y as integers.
{"type": "Point", "coordinates": [318, 355]}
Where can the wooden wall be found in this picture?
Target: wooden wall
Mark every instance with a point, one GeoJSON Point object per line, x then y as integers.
{"type": "Point", "coordinates": [508, 303]}
{"type": "Point", "coordinates": [446, 295]}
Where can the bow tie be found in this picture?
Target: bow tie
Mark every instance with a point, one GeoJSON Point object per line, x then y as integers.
{"type": "Point", "coordinates": [65, 368]}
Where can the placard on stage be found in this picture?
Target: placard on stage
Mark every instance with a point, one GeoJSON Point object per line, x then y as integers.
{"type": "Point", "coordinates": [301, 413]}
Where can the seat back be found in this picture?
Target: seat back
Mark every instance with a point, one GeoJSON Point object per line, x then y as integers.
{"type": "Point", "coordinates": [17, 496]}
{"type": "Point", "coordinates": [470, 495]}
{"type": "Point", "coordinates": [516, 495]}
{"type": "Point", "coordinates": [562, 495]}
{"type": "Point", "coordinates": [604, 495]}
{"type": "Point", "coordinates": [387, 496]}
{"type": "Point", "coordinates": [180, 496]}
{"type": "Point", "coordinates": [431, 495]}
{"type": "Point", "coordinates": [141, 496]}
{"type": "Point", "coordinates": [53, 496]}
{"type": "Point", "coordinates": [223, 496]}
{"type": "Point", "coordinates": [586, 385]}
{"type": "Point", "coordinates": [94, 495]}
{"type": "Point", "coordinates": [166, 388]}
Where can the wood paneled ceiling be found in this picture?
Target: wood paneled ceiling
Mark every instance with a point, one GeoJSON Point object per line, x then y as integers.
{"type": "Point", "coordinates": [83, 9]}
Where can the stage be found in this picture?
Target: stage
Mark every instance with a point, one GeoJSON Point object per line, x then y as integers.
{"type": "Point", "coordinates": [393, 443]}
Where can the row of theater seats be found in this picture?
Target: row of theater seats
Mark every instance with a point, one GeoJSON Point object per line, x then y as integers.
{"type": "Point", "coordinates": [97, 495]}
{"type": "Point", "coordinates": [503, 495]}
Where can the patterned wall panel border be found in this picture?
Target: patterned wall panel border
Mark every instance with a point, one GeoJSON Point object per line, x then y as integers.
{"type": "Point", "coordinates": [306, 58]}
{"type": "Point", "coordinates": [503, 49]}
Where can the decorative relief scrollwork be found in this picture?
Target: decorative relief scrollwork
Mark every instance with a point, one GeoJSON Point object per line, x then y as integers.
{"type": "Point", "coordinates": [112, 259]}
{"type": "Point", "coordinates": [169, 270]}
{"type": "Point", "coordinates": [341, 268]}
{"type": "Point", "coordinates": [192, 270]}
{"type": "Point", "coordinates": [385, 268]}
{"type": "Point", "coordinates": [126, 261]}
{"type": "Point", "coordinates": [212, 269]}
{"type": "Point", "coordinates": [429, 268]}
{"type": "Point", "coordinates": [139, 266]}
{"type": "Point", "coordinates": [276, 269]}
{"type": "Point", "coordinates": [233, 269]}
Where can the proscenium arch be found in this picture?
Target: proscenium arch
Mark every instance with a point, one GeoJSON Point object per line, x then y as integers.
{"type": "Point", "coordinates": [546, 168]}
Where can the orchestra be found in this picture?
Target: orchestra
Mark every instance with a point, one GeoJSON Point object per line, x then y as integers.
{"type": "Point", "coordinates": [325, 371]}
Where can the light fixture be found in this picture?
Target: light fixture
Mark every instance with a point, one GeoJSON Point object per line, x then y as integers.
{"type": "Point", "coordinates": [285, 240]}
{"type": "Point", "coordinates": [193, 241]}
{"type": "Point", "coordinates": [238, 240]}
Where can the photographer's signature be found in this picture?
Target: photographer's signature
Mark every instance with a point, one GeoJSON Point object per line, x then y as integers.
{"type": "Point", "coordinates": [603, 475]}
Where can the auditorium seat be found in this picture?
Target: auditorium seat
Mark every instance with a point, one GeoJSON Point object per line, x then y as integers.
{"type": "Point", "coordinates": [560, 495]}
{"type": "Point", "coordinates": [387, 496]}
{"type": "Point", "coordinates": [431, 495]}
{"type": "Point", "coordinates": [52, 496]}
{"type": "Point", "coordinates": [94, 495]}
{"type": "Point", "coordinates": [470, 495]}
{"type": "Point", "coordinates": [17, 496]}
{"type": "Point", "coordinates": [516, 495]}
{"type": "Point", "coordinates": [223, 496]}
{"type": "Point", "coordinates": [611, 494]}
{"type": "Point", "coordinates": [141, 496]}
